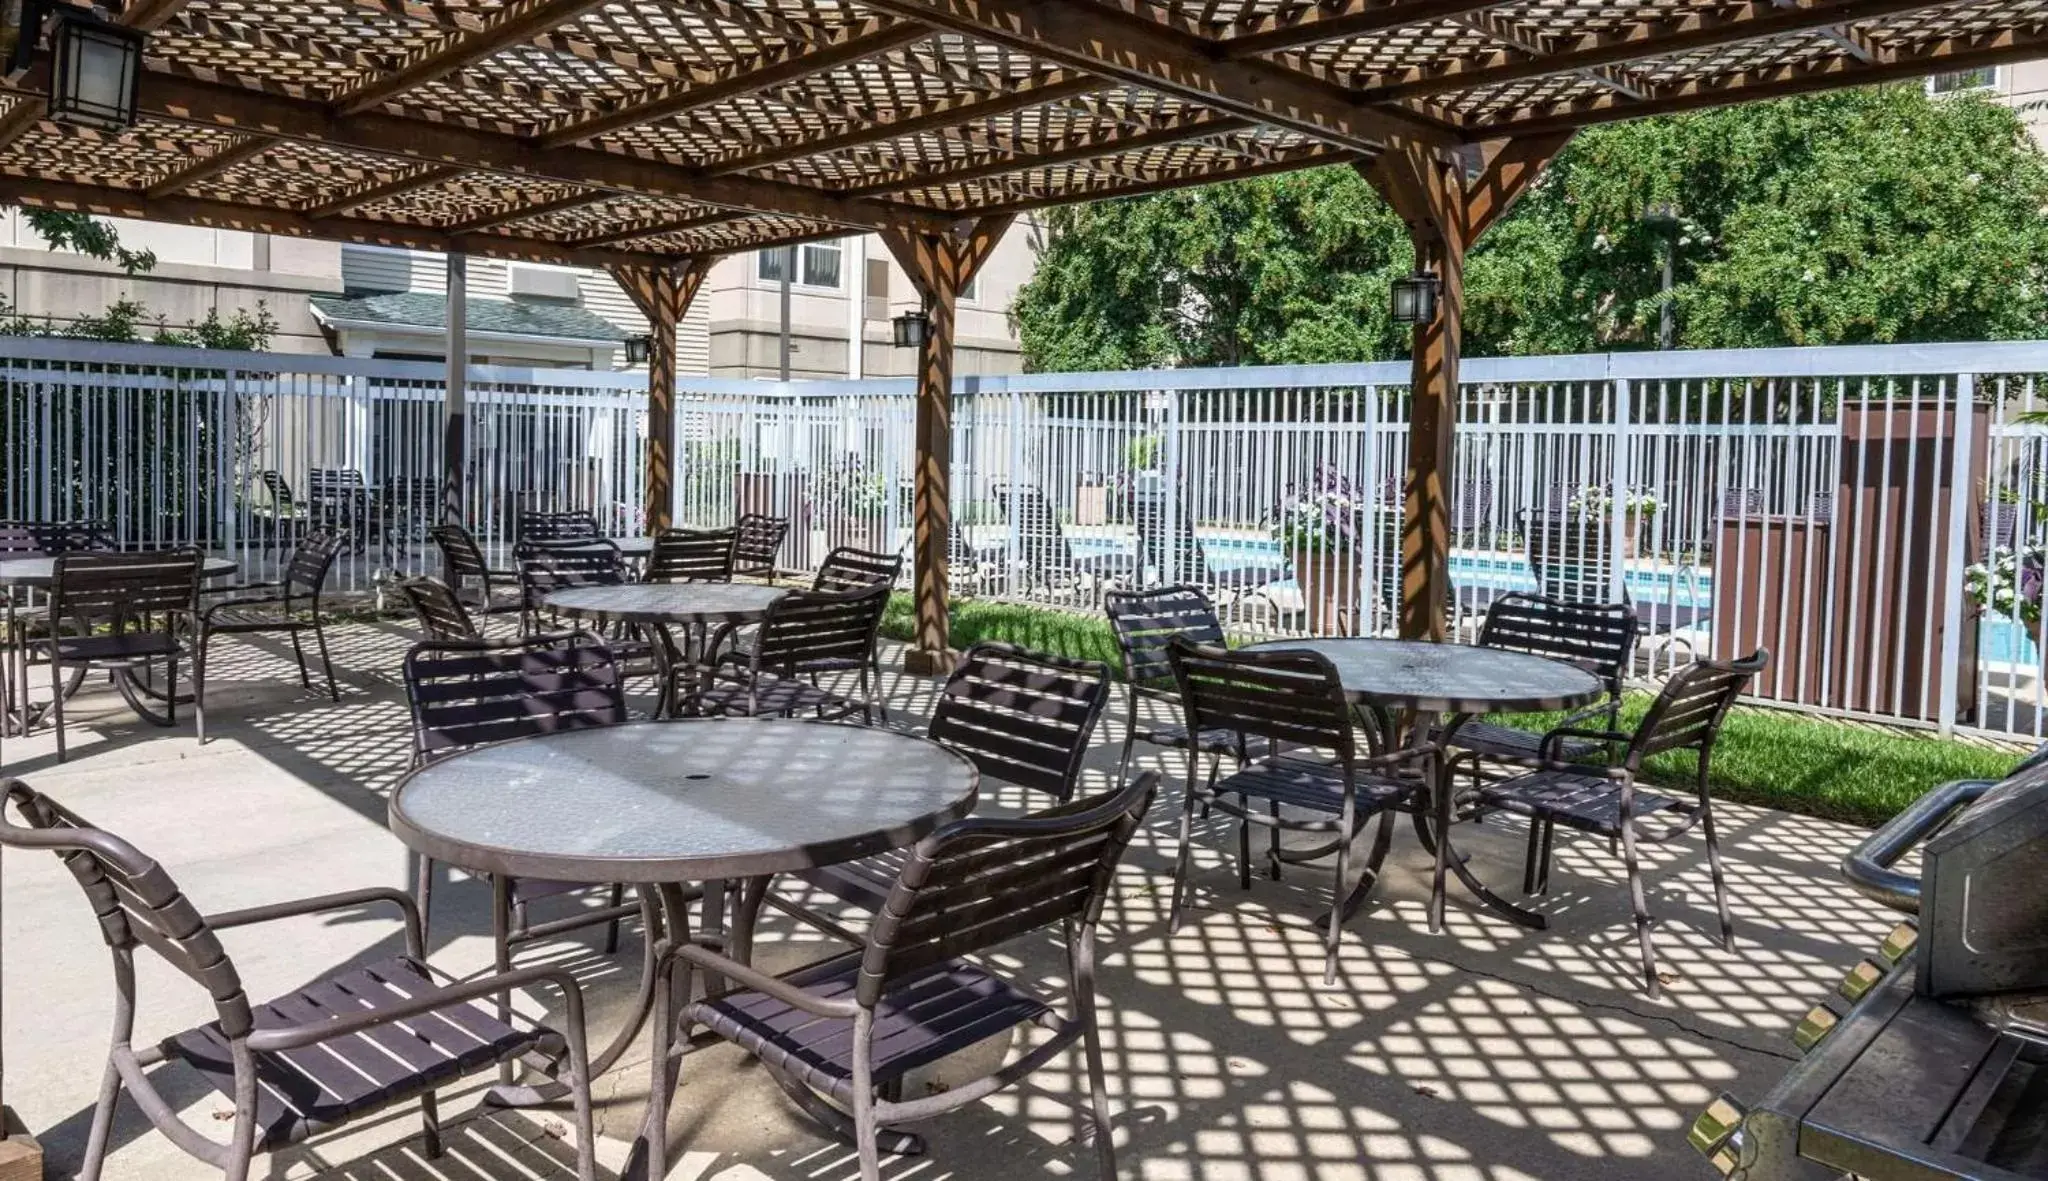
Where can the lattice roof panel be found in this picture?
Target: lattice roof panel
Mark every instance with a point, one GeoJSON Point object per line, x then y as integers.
{"type": "Point", "coordinates": [604, 131]}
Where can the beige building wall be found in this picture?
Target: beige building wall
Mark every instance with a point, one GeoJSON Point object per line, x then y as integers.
{"type": "Point", "coordinates": [197, 270]}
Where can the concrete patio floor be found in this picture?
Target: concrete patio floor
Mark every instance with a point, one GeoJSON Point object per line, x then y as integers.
{"type": "Point", "coordinates": [1481, 1052]}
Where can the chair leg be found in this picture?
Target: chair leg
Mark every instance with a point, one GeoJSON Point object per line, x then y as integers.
{"type": "Point", "coordinates": [423, 893]}
{"type": "Point", "coordinates": [1530, 859]}
{"type": "Point", "coordinates": [501, 951]}
{"type": "Point", "coordinates": [102, 1125]}
{"type": "Point", "coordinates": [199, 682]}
{"type": "Point", "coordinates": [616, 899]}
{"type": "Point", "coordinates": [1441, 793]}
{"type": "Point", "coordinates": [430, 1125]}
{"type": "Point", "coordinates": [1091, 1043]}
{"type": "Point", "coordinates": [1123, 762]}
{"type": "Point", "coordinates": [56, 700]}
{"type": "Point", "coordinates": [299, 654]}
{"type": "Point", "coordinates": [320, 638]}
{"type": "Point", "coordinates": [1640, 902]}
{"type": "Point", "coordinates": [1720, 882]}
{"type": "Point", "coordinates": [1273, 842]}
{"type": "Point", "coordinates": [1337, 899]}
{"type": "Point", "coordinates": [1244, 847]}
{"type": "Point", "coordinates": [1544, 859]}
{"type": "Point", "coordinates": [1180, 863]}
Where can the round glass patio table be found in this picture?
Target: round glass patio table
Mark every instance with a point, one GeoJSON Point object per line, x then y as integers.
{"type": "Point", "coordinates": [668, 602]}
{"type": "Point", "coordinates": [661, 804]}
{"type": "Point", "coordinates": [1444, 685]}
{"type": "Point", "coordinates": [41, 572]}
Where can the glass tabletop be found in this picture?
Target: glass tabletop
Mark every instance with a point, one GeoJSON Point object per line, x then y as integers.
{"type": "Point", "coordinates": [1448, 678]}
{"type": "Point", "coordinates": [669, 602]}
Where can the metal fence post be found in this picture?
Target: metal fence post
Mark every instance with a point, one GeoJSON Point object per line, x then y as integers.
{"type": "Point", "coordinates": [1015, 476]}
{"type": "Point", "coordinates": [1623, 469]}
{"type": "Point", "coordinates": [1960, 497]}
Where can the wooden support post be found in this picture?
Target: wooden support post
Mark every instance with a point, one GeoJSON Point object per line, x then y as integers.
{"type": "Point", "coordinates": [939, 265]}
{"type": "Point", "coordinates": [663, 295]}
{"type": "Point", "coordinates": [455, 400]}
{"type": "Point", "coordinates": [1446, 212]}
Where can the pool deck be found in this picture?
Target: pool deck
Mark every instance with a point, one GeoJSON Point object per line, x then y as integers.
{"type": "Point", "coordinates": [1482, 1052]}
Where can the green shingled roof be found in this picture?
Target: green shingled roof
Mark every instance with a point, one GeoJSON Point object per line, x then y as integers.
{"type": "Point", "coordinates": [424, 309]}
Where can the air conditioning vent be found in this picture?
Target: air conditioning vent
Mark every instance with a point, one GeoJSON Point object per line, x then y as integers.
{"type": "Point", "coordinates": [526, 282]}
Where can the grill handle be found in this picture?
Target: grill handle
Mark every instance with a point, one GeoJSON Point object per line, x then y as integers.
{"type": "Point", "coordinates": [1869, 866]}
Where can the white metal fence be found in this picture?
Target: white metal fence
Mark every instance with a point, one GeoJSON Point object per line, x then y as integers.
{"type": "Point", "coordinates": [1824, 503]}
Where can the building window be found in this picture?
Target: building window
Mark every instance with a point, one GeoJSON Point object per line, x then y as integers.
{"type": "Point", "coordinates": [970, 291]}
{"type": "Point", "coordinates": [817, 265]}
{"type": "Point", "coordinates": [1982, 78]}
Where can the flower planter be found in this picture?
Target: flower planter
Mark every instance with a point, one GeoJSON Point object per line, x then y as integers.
{"type": "Point", "coordinates": [1328, 578]}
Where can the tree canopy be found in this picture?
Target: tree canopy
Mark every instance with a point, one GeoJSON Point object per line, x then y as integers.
{"type": "Point", "coordinates": [1861, 216]}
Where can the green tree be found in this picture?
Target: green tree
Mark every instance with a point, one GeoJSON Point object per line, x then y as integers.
{"type": "Point", "coordinates": [1860, 216]}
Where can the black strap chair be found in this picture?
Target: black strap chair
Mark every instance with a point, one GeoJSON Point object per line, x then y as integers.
{"type": "Point", "coordinates": [691, 555]}
{"type": "Point", "coordinates": [286, 517]}
{"type": "Point", "coordinates": [1598, 637]}
{"type": "Point", "coordinates": [547, 567]}
{"type": "Point", "coordinates": [804, 635]}
{"type": "Point", "coordinates": [290, 605]}
{"type": "Point", "coordinates": [1604, 800]}
{"type": "Point", "coordinates": [358, 1039]}
{"type": "Point", "coordinates": [1022, 717]}
{"type": "Point", "coordinates": [441, 615]}
{"type": "Point", "coordinates": [1295, 698]}
{"type": "Point", "coordinates": [123, 612]}
{"type": "Point", "coordinates": [1145, 624]}
{"type": "Point", "coordinates": [757, 540]}
{"type": "Point", "coordinates": [464, 560]}
{"type": "Point", "coordinates": [467, 693]}
{"type": "Point", "coordinates": [841, 1035]}
{"type": "Point", "coordinates": [847, 568]}
{"type": "Point", "coordinates": [25, 612]}
{"type": "Point", "coordinates": [545, 527]}
{"type": "Point", "coordinates": [339, 501]}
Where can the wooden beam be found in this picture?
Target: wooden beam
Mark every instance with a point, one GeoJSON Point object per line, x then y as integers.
{"type": "Point", "coordinates": [663, 295]}
{"type": "Point", "coordinates": [778, 67]}
{"type": "Point", "coordinates": [209, 167]}
{"type": "Point", "coordinates": [397, 186]}
{"type": "Point", "coordinates": [104, 202]}
{"type": "Point", "coordinates": [1126, 48]}
{"type": "Point", "coordinates": [1957, 53]}
{"type": "Point", "coordinates": [209, 104]}
{"type": "Point", "coordinates": [1511, 172]}
{"type": "Point", "coordinates": [519, 21]}
{"type": "Point", "coordinates": [512, 213]}
{"type": "Point", "coordinates": [1690, 32]}
{"type": "Point", "coordinates": [1089, 148]}
{"type": "Point", "coordinates": [939, 265]}
{"type": "Point", "coordinates": [1615, 78]}
{"type": "Point", "coordinates": [938, 117]}
{"type": "Point", "coordinates": [1332, 22]}
{"type": "Point", "coordinates": [1173, 180]}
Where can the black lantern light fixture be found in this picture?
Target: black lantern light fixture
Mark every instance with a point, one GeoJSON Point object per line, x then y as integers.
{"type": "Point", "coordinates": [96, 70]}
{"type": "Point", "coordinates": [913, 328]}
{"type": "Point", "coordinates": [1415, 298]}
{"type": "Point", "coordinates": [639, 349]}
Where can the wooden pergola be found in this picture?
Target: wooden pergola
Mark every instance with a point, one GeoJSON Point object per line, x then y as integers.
{"type": "Point", "coordinates": [649, 137]}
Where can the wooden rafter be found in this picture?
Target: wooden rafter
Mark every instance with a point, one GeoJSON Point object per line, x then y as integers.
{"type": "Point", "coordinates": [189, 101]}
{"type": "Point", "coordinates": [1642, 41]}
{"type": "Point", "coordinates": [520, 21]}
{"type": "Point", "coordinates": [1139, 52]}
{"type": "Point", "coordinates": [695, 221]}
{"type": "Point", "coordinates": [209, 167]}
{"type": "Point", "coordinates": [397, 186]}
{"type": "Point", "coordinates": [1085, 148]}
{"type": "Point", "coordinates": [1951, 54]}
{"type": "Point", "coordinates": [520, 212]}
{"type": "Point", "coordinates": [938, 116]}
{"type": "Point", "coordinates": [105, 202]}
{"type": "Point", "coordinates": [1615, 78]}
{"type": "Point", "coordinates": [1331, 22]}
{"type": "Point", "coordinates": [778, 67]}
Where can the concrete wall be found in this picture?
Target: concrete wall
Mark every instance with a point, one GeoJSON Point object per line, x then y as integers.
{"type": "Point", "coordinates": [197, 270]}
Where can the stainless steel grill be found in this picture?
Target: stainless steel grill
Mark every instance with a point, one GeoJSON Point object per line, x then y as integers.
{"type": "Point", "coordinates": [1930, 1060]}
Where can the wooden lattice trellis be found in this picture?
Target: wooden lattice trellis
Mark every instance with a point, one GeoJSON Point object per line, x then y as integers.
{"type": "Point", "coordinates": [636, 132]}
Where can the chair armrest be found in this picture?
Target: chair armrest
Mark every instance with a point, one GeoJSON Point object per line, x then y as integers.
{"type": "Point", "coordinates": [1586, 712]}
{"type": "Point", "coordinates": [293, 1037]}
{"type": "Point", "coordinates": [782, 990]}
{"type": "Point", "coordinates": [408, 910]}
{"type": "Point", "coordinates": [1547, 752]}
{"type": "Point", "coordinates": [238, 587]}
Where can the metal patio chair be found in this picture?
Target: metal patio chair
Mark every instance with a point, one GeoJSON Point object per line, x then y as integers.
{"type": "Point", "coordinates": [691, 555]}
{"type": "Point", "coordinates": [840, 1035]}
{"type": "Point", "coordinates": [757, 540]}
{"type": "Point", "coordinates": [124, 612]}
{"type": "Point", "coordinates": [286, 518]}
{"type": "Point", "coordinates": [358, 1039]}
{"type": "Point", "coordinates": [847, 568]}
{"type": "Point", "coordinates": [1598, 637]}
{"type": "Point", "coordinates": [339, 502]}
{"type": "Point", "coordinates": [1145, 624]}
{"type": "Point", "coordinates": [546, 567]}
{"type": "Point", "coordinates": [1022, 717]}
{"type": "Point", "coordinates": [1604, 800]}
{"type": "Point", "coordinates": [28, 611]}
{"type": "Point", "coordinates": [463, 694]}
{"type": "Point", "coordinates": [804, 634]}
{"type": "Point", "coordinates": [464, 560]}
{"type": "Point", "coordinates": [1573, 557]}
{"type": "Point", "coordinates": [1294, 698]}
{"type": "Point", "coordinates": [547, 527]}
{"type": "Point", "coordinates": [441, 615]}
{"type": "Point", "coordinates": [290, 605]}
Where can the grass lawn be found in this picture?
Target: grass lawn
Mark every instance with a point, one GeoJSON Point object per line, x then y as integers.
{"type": "Point", "coordinates": [1779, 759]}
